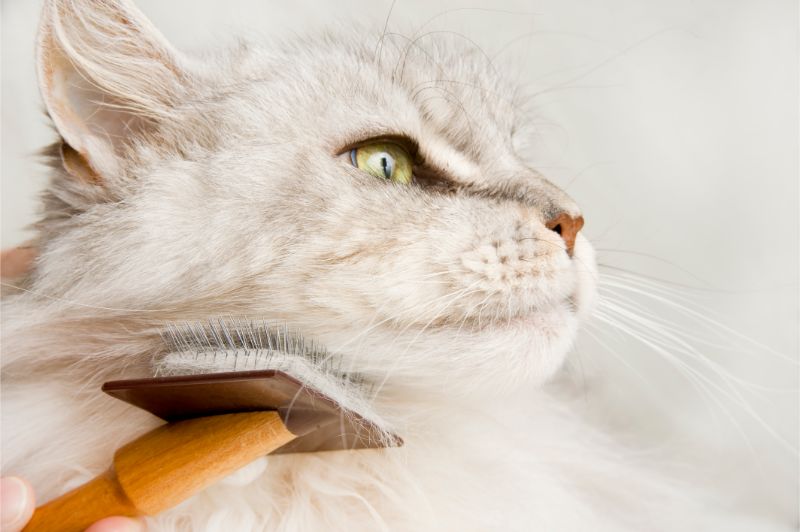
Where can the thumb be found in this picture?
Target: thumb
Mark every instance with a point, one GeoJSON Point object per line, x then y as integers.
{"type": "Point", "coordinates": [117, 524]}
{"type": "Point", "coordinates": [16, 504]}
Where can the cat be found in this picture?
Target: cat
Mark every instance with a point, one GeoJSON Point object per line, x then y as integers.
{"type": "Point", "coordinates": [374, 194]}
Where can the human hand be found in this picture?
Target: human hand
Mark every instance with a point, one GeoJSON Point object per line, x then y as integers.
{"type": "Point", "coordinates": [17, 503]}
{"type": "Point", "coordinates": [16, 262]}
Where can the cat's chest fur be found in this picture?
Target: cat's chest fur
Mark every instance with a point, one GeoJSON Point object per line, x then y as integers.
{"type": "Point", "coordinates": [527, 462]}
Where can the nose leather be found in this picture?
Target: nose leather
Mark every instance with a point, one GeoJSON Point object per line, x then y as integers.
{"type": "Point", "coordinates": [567, 226]}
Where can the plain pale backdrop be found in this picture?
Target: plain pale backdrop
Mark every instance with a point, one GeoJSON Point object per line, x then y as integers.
{"type": "Point", "coordinates": [674, 123]}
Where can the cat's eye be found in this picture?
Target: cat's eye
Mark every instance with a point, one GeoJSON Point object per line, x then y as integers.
{"type": "Point", "coordinates": [384, 159]}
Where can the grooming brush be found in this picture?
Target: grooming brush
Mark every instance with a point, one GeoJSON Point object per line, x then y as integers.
{"type": "Point", "coordinates": [269, 398]}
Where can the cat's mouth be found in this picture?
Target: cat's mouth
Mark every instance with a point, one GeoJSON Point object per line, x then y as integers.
{"type": "Point", "coordinates": [543, 320]}
{"type": "Point", "coordinates": [544, 315]}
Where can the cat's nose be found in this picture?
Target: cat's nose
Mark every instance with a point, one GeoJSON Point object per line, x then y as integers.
{"type": "Point", "coordinates": [567, 226]}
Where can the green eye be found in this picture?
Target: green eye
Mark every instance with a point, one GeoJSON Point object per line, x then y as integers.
{"type": "Point", "coordinates": [384, 159]}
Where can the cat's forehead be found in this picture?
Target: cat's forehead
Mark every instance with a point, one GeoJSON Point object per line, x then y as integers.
{"type": "Point", "coordinates": [353, 88]}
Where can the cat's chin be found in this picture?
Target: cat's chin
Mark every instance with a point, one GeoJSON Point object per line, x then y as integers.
{"type": "Point", "coordinates": [538, 342]}
{"type": "Point", "coordinates": [501, 355]}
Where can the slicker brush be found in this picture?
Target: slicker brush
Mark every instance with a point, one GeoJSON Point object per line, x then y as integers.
{"type": "Point", "coordinates": [229, 391]}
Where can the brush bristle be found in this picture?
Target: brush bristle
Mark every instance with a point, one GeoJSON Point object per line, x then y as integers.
{"type": "Point", "coordinates": [248, 344]}
{"type": "Point", "coordinates": [237, 344]}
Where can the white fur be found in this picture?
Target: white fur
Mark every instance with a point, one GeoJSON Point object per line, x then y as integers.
{"type": "Point", "coordinates": [228, 197]}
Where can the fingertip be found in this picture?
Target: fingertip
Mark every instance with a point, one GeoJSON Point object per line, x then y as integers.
{"type": "Point", "coordinates": [17, 502]}
{"type": "Point", "coordinates": [117, 524]}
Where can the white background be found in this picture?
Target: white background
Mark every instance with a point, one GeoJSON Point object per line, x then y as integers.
{"type": "Point", "coordinates": [673, 122]}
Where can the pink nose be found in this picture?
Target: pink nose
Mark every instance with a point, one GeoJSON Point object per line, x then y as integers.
{"type": "Point", "coordinates": [567, 226]}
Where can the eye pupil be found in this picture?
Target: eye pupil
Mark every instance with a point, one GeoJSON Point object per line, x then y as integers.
{"type": "Point", "coordinates": [386, 165]}
{"type": "Point", "coordinates": [382, 164]}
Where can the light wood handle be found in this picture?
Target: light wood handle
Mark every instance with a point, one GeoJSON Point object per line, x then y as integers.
{"type": "Point", "coordinates": [164, 467]}
{"type": "Point", "coordinates": [79, 508]}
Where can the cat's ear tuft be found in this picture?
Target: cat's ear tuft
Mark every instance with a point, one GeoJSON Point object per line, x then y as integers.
{"type": "Point", "coordinates": [106, 76]}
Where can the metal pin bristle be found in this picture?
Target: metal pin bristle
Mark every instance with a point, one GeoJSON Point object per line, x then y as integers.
{"type": "Point", "coordinates": [244, 344]}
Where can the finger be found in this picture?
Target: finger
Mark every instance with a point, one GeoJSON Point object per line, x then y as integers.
{"type": "Point", "coordinates": [16, 503]}
{"type": "Point", "coordinates": [16, 261]}
{"type": "Point", "coordinates": [117, 524]}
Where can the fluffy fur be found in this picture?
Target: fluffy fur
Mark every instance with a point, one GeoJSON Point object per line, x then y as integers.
{"type": "Point", "coordinates": [189, 188]}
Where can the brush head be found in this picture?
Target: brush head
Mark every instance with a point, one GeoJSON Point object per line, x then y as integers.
{"type": "Point", "coordinates": [229, 366]}
{"type": "Point", "coordinates": [319, 422]}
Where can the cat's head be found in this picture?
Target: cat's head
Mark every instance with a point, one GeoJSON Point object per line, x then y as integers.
{"type": "Point", "coordinates": [371, 191]}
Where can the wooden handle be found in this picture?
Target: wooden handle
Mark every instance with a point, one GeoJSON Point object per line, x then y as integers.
{"type": "Point", "coordinates": [164, 467]}
{"type": "Point", "coordinates": [79, 508]}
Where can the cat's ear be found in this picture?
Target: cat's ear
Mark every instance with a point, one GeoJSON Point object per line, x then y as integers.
{"type": "Point", "coordinates": [106, 76]}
